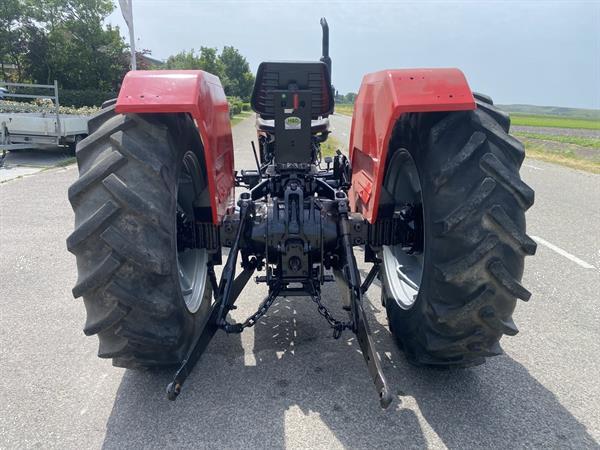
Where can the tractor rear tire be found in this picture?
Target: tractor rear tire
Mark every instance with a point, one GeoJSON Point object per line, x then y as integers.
{"type": "Point", "coordinates": [462, 289]}
{"type": "Point", "coordinates": [134, 180]}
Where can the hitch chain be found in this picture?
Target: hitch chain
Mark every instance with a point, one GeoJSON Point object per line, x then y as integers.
{"type": "Point", "coordinates": [337, 325]}
{"type": "Point", "coordinates": [231, 328]}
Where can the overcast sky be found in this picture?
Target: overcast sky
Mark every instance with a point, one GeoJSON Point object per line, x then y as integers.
{"type": "Point", "coordinates": [536, 52]}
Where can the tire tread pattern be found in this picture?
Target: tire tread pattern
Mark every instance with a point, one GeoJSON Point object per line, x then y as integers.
{"type": "Point", "coordinates": [124, 238]}
{"type": "Point", "coordinates": [478, 232]}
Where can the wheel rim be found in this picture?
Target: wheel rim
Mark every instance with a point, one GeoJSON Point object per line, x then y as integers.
{"type": "Point", "coordinates": [191, 262]}
{"type": "Point", "coordinates": [403, 271]}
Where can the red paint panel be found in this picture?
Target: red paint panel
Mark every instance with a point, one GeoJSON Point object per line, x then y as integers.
{"type": "Point", "coordinates": [200, 94]}
{"type": "Point", "coordinates": [383, 97]}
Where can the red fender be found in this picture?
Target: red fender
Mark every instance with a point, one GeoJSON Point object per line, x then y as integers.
{"type": "Point", "coordinates": [200, 94]}
{"type": "Point", "coordinates": [383, 97]}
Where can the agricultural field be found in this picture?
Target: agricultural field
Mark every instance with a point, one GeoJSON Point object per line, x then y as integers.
{"type": "Point", "coordinates": [566, 136]}
{"type": "Point", "coordinates": [572, 151]}
{"type": "Point", "coordinates": [345, 109]}
{"type": "Point", "coordinates": [530, 120]}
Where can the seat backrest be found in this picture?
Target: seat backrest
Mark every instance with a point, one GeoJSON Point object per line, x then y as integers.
{"type": "Point", "coordinates": [290, 76]}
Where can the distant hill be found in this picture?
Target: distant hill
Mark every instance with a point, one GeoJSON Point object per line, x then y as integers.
{"type": "Point", "coordinates": [579, 113]}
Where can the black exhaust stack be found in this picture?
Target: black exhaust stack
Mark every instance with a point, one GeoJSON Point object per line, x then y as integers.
{"type": "Point", "coordinates": [325, 58]}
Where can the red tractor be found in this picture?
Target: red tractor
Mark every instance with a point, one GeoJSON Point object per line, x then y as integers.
{"type": "Point", "coordinates": [430, 189]}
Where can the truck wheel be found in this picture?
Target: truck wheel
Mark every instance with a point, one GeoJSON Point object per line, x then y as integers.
{"type": "Point", "coordinates": [146, 293]}
{"type": "Point", "coordinates": [73, 145]}
{"type": "Point", "coordinates": [449, 304]}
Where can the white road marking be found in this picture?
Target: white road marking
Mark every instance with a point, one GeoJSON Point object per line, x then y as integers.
{"type": "Point", "coordinates": [562, 252]}
{"type": "Point", "coordinates": [532, 167]}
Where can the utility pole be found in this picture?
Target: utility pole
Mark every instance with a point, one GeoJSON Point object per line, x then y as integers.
{"type": "Point", "coordinates": [127, 11]}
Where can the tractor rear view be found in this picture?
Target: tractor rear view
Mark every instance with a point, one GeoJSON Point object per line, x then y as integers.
{"type": "Point", "coordinates": [430, 190]}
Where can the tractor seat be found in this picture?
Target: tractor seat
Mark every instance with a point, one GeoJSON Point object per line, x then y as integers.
{"type": "Point", "coordinates": [273, 77]}
{"type": "Point", "coordinates": [316, 126]}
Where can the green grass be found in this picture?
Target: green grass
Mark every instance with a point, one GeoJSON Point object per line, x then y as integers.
{"type": "Point", "coordinates": [329, 147]}
{"type": "Point", "coordinates": [62, 163]}
{"type": "Point", "coordinates": [65, 162]}
{"type": "Point", "coordinates": [567, 158]}
{"type": "Point", "coordinates": [577, 152]}
{"type": "Point", "coordinates": [345, 109]}
{"type": "Point", "coordinates": [241, 116]}
{"type": "Point", "coordinates": [575, 140]}
{"type": "Point", "coordinates": [553, 122]}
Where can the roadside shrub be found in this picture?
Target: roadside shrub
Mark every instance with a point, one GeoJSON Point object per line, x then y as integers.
{"type": "Point", "coordinates": [44, 106]}
{"type": "Point", "coordinates": [245, 106]}
{"type": "Point", "coordinates": [67, 97]}
{"type": "Point", "coordinates": [88, 97]}
{"type": "Point", "coordinates": [235, 105]}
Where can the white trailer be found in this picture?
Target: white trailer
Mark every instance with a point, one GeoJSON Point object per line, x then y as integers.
{"type": "Point", "coordinates": [39, 130]}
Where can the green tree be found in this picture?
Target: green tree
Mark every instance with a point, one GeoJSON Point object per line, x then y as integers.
{"type": "Point", "coordinates": [350, 97]}
{"type": "Point", "coordinates": [210, 62]}
{"type": "Point", "coordinates": [239, 78]}
{"type": "Point", "coordinates": [183, 61]}
{"type": "Point", "coordinates": [206, 59]}
{"type": "Point", "coordinates": [13, 40]}
{"type": "Point", "coordinates": [230, 66]}
{"type": "Point", "coordinates": [63, 40]}
{"type": "Point", "coordinates": [69, 43]}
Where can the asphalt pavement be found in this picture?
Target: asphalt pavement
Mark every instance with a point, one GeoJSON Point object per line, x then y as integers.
{"type": "Point", "coordinates": [286, 383]}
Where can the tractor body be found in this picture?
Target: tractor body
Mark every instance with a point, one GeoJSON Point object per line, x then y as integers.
{"type": "Point", "coordinates": [299, 216]}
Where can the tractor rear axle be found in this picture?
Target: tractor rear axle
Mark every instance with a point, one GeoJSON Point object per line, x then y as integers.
{"type": "Point", "coordinates": [297, 238]}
